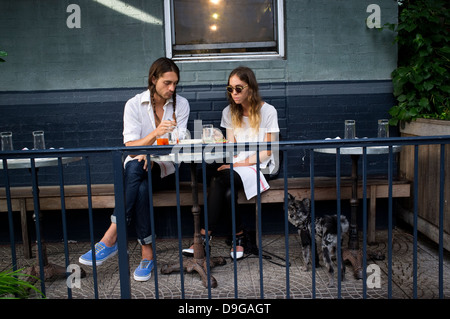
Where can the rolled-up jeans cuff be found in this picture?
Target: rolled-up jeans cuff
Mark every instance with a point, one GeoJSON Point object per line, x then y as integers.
{"type": "Point", "coordinates": [145, 241]}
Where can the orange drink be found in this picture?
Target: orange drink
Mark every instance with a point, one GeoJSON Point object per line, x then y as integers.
{"type": "Point", "coordinates": [162, 141]}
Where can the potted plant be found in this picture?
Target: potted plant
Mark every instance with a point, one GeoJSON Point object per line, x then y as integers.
{"type": "Point", "coordinates": [421, 85]}
{"type": "Point", "coordinates": [14, 284]}
{"type": "Point", "coordinates": [422, 80]}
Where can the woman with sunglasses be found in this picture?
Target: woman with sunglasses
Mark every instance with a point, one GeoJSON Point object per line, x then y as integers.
{"type": "Point", "coordinates": [246, 119]}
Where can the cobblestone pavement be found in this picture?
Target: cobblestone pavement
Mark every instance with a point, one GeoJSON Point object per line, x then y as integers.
{"type": "Point", "coordinates": [248, 281]}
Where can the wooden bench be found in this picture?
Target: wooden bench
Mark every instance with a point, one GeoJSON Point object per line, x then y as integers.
{"type": "Point", "coordinates": [325, 189]}
{"type": "Point", "coordinates": [103, 197]}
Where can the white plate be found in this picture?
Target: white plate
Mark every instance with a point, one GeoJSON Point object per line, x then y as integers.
{"type": "Point", "coordinates": [191, 141]}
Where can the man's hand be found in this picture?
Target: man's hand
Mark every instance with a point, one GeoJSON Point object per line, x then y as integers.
{"type": "Point", "coordinates": [144, 158]}
{"type": "Point", "coordinates": [164, 127]}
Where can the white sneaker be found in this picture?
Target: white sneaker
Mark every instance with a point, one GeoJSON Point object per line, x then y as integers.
{"type": "Point", "coordinates": [189, 252]}
{"type": "Point", "coordinates": [239, 242]}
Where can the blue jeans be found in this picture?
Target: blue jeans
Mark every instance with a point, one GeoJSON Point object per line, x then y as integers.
{"type": "Point", "coordinates": [137, 204]}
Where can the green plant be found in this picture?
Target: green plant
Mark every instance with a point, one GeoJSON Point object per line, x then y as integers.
{"type": "Point", "coordinates": [3, 53]}
{"type": "Point", "coordinates": [13, 284]}
{"type": "Point", "coordinates": [422, 80]}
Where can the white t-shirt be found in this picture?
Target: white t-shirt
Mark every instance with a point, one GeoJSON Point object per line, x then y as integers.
{"type": "Point", "coordinates": [139, 121]}
{"type": "Point", "coordinates": [269, 124]}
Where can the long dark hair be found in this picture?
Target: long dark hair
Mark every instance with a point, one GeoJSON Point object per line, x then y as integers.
{"type": "Point", "coordinates": [246, 75]}
{"type": "Point", "coordinates": [158, 68]}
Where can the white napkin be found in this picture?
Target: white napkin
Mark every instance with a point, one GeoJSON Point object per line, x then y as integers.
{"type": "Point", "coordinates": [167, 168]}
{"type": "Point", "coordinates": [248, 176]}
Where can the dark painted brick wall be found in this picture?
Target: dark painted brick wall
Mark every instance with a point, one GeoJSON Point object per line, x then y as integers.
{"type": "Point", "coordinates": [90, 118]}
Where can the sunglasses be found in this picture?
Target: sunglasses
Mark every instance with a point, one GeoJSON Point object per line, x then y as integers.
{"type": "Point", "coordinates": [238, 88]}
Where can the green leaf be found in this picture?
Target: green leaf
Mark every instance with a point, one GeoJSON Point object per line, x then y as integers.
{"type": "Point", "coordinates": [393, 121]}
{"type": "Point", "coordinates": [425, 52]}
{"type": "Point", "coordinates": [428, 86]}
{"type": "Point", "coordinates": [413, 112]}
{"type": "Point", "coordinates": [410, 27]}
{"type": "Point", "coordinates": [394, 111]}
{"type": "Point", "coordinates": [440, 70]}
{"type": "Point", "coordinates": [415, 78]}
{"type": "Point", "coordinates": [402, 98]}
{"type": "Point", "coordinates": [445, 88]}
{"type": "Point", "coordinates": [424, 103]}
{"type": "Point", "coordinates": [411, 96]}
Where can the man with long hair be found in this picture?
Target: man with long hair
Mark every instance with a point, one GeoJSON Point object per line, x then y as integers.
{"type": "Point", "coordinates": [147, 116]}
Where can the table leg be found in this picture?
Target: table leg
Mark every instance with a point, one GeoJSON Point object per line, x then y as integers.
{"type": "Point", "coordinates": [50, 270]}
{"type": "Point", "coordinates": [198, 262]}
{"type": "Point", "coordinates": [353, 253]}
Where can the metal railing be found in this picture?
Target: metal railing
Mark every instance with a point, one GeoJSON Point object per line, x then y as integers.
{"type": "Point", "coordinates": [288, 149]}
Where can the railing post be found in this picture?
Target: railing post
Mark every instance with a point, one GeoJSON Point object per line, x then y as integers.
{"type": "Point", "coordinates": [122, 242]}
{"type": "Point", "coordinates": [91, 224]}
{"type": "Point", "coordinates": [441, 221]}
{"type": "Point", "coordinates": [10, 216]}
{"type": "Point", "coordinates": [286, 221]}
{"type": "Point", "coordinates": [313, 227]}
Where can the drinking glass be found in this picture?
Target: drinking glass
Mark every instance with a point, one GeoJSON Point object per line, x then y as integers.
{"type": "Point", "coordinates": [174, 136]}
{"type": "Point", "coordinates": [183, 134]}
{"type": "Point", "coordinates": [163, 140]}
{"type": "Point", "coordinates": [383, 128]}
{"type": "Point", "coordinates": [39, 141]}
{"type": "Point", "coordinates": [350, 131]}
{"type": "Point", "coordinates": [218, 136]}
{"type": "Point", "coordinates": [7, 144]}
{"type": "Point", "coordinates": [208, 134]}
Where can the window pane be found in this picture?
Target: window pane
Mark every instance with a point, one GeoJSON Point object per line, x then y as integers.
{"type": "Point", "coordinates": [220, 21]}
{"type": "Point", "coordinates": [224, 26]}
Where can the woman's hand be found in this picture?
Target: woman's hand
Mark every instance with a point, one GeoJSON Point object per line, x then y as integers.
{"type": "Point", "coordinates": [227, 166]}
{"type": "Point", "coordinates": [222, 167]}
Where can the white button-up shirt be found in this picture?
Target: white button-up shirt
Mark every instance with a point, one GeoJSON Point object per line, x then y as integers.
{"type": "Point", "coordinates": [139, 121]}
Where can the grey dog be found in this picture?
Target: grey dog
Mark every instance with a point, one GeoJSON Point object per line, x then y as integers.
{"type": "Point", "coordinates": [299, 215]}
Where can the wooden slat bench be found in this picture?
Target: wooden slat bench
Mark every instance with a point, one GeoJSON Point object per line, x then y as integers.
{"type": "Point", "coordinates": [103, 197]}
{"type": "Point", "coordinates": [325, 189]}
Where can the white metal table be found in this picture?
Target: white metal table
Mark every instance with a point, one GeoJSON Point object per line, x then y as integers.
{"type": "Point", "coordinates": [16, 163]}
{"type": "Point", "coordinates": [50, 270]}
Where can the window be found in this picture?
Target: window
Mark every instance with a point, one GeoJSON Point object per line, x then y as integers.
{"type": "Point", "coordinates": [224, 29]}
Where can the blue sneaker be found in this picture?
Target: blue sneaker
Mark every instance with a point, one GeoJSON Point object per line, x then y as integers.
{"type": "Point", "coordinates": [102, 253]}
{"type": "Point", "coordinates": [144, 271]}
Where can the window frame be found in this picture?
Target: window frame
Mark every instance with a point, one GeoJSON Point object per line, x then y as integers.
{"type": "Point", "coordinates": [280, 45]}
